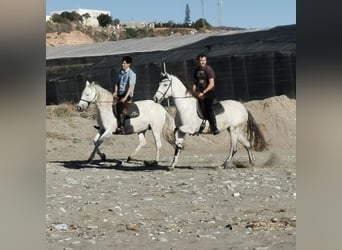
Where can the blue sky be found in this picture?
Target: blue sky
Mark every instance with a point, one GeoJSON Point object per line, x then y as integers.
{"type": "Point", "coordinates": [235, 13]}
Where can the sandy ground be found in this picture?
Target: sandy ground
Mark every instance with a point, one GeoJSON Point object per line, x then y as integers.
{"type": "Point", "coordinates": [120, 205]}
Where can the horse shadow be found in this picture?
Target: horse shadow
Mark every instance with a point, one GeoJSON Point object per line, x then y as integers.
{"type": "Point", "coordinates": [122, 165]}
{"type": "Point", "coordinates": [116, 164]}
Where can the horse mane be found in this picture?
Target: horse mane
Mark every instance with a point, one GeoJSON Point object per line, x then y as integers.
{"type": "Point", "coordinates": [186, 84]}
{"type": "Point", "coordinates": [108, 94]}
{"type": "Point", "coordinates": [96, 84]}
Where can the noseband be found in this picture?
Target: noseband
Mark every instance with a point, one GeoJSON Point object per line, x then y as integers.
{"type": "Point", "coordinates": [170, 86]}
{"type": "Point", "coordinates": [164, 94]}
{"type": "Point", "coordinates": [93, 100]}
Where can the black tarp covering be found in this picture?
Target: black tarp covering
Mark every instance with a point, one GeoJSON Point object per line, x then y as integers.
{"type": "Point", "coordinates": [249, 66]}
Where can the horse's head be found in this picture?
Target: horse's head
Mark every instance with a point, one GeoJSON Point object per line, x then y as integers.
{"type": "Point", "coordinates": [164, 89]}
{"type": "Point", "coordinates": [88, 96]}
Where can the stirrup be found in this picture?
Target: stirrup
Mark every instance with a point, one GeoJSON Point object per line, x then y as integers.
{"type": "Point", "coordinates": [118, 131]}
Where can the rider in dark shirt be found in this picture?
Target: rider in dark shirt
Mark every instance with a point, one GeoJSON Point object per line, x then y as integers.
{"type": "Point", "coordinates": [204, 86]}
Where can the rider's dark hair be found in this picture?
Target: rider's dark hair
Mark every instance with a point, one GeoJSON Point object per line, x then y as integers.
{"type": "Point", "coordinates": [127, 59]}
{"type": "Point", "coordinates": [201, 55]}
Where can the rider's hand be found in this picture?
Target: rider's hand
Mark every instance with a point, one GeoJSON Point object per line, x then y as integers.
{"type": "Point", "coordinates": [123, 99]}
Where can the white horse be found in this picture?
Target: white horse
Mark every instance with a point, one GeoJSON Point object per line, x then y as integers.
{"type": "Point", "coordinates": [152, 116]}
{"type": "Point", "coordinates": [234, 118]}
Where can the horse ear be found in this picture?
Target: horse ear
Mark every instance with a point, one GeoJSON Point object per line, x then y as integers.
{"type": "Point", "coordinates": [87, 83]}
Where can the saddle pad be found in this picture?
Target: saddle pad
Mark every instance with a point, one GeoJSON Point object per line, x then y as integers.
{"type": "Point", "coordinates": [132, 110]}
{"type": "Point", "coordinates": [217, 106]}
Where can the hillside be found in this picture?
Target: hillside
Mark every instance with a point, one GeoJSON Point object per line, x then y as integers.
{"type": "Point", "coordinates": [76, 34]}
{"type": "Point", "coordinates": [85, 35]}
{"type": "Point", "coordinates": [73, 38]}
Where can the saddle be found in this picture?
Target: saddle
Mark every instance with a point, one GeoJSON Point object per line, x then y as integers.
{"type": "Point", "coordinates": [130, 110]}
{"type": "Point", "coordinates": [217, 107]}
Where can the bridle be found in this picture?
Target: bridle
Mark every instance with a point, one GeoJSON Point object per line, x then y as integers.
{"type": "Point", "coordinates": [93, 100]}
{"type": "Point", "coordinates": [164, 94]}
{"type": "Point", "coordinates": [170, 86]}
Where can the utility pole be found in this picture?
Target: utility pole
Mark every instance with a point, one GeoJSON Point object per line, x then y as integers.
{"type": "Point", "coordinates": [203, 24]}
{"type": "Point", "coordinates": [219, 16]}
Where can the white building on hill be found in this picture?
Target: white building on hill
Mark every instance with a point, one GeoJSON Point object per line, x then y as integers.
{"type": "Point", "coordinates": [92, 20]}
{"type": "Point", "coordinates": [137, 25]}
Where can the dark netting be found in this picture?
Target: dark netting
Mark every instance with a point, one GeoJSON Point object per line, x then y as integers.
{"type": "Point", "coordinates": [249, 66]}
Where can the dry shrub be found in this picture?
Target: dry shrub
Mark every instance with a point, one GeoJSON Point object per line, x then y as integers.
{"type": "Point", "coordinates": [64, 110]}
{"type": "Point", "coordinates": [61, 111]}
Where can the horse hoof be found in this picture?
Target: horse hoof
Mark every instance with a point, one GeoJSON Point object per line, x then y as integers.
{"type": "Point", "coordinates": [150, 163]}
{"type": "Point", "coordinates": [220, 167]}
{"type": "Point", "coordinates": [103, 157]}
{"type": "Point", "coordinates": [225, 165]}
{"type": "Point", "coordinates": [170, 169]}
{"type": "Point", "coordinates": [128, 159]}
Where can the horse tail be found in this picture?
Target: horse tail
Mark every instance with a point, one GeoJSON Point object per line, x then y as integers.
{"type": "Point", "coordinates": [254, 134]}
{"type": "Point", "coordinates": [169, 128]}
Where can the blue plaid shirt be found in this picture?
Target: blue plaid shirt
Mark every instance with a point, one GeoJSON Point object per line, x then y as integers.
{"type": "Point", "coordinates": [126, 78]}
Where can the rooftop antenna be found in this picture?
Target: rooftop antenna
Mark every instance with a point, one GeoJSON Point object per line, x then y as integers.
{"type": "Point", "coordinates": [219, 16]}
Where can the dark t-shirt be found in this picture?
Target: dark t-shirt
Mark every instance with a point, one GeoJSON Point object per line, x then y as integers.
{"type": "Point", "coordinates": [202, 77]}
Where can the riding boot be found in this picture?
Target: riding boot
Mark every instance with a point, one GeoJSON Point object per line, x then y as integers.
{"type": "Point", "coordinates": [213, 127]}
{"type": "Point", "coordinates": [120, 129]}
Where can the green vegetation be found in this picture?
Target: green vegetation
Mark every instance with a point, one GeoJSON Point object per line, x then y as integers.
{"type": "Point", "coordinates": [187, 19]}
{"type": "Point", "coordinates": [104, 20]}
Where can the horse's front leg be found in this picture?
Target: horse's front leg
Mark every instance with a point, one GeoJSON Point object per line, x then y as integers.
{"type": "Point", "coordinates": [98, 140]}
{"type": "Point", "coordinates": [179, 135]}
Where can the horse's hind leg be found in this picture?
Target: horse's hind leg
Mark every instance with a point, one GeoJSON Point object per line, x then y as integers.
{"type": "Point", "coordinates": [247, 146]}
{"type": "Point", "coordinates": [142, 142]}
{"type": "Point", "coordinates": [179, 145]}
{"type": "Point", "coordinates": [158, 143]}
{"type": "Point", "coordinates": [233, 146]}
